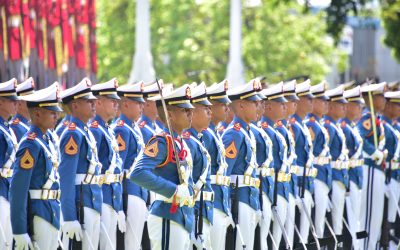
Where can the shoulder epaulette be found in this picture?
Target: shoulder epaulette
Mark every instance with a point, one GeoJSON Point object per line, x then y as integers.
{"type": "Point", "coordinates": [120, 123]}
{"type": "Point", "coordinates": [312, 119]}
{"type": "Point", "coordinates": [16, 121]}
{"type": "Point", "coordinates": [142, 124]}
{"type": "Point", "coordinates": [95, 124]}
{"type": "Point", "coordinates": [72, 126]}
{"type": "Point", "coordinates": [186, 134]}
{"type": "Point", "coordinates": [237, 126]}
{"type": "Point", "coordinates": [31, 136]}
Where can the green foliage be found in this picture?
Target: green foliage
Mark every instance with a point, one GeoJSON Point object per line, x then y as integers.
{"type": "Point", "coordinates": [390, 15]}
{"type": "Point", "coordinates": [190, 41]}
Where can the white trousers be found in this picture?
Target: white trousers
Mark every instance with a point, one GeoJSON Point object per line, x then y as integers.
{"type": "Point", "coordinates": [265, 222]}
{"type": "Point", "coordinates": [174, 234]}
{"type": "Point", "coordinates": [136, 216]}
{"type": "Point", "coordinates": [91, 229]}
{"type": "Point", "coordinates": [321, 199]}
{"type": "Point", "coordinates": [338, 199]}
{"type": "Point", "coordinates": [206, 235]}
{"type": "Point", "coordinates": [372, 203]}
{"type": "Point", "coordinates": [5, 224]}
{"type": "Point", "coordinates": [304, 220]}
{"type": "Point", "coordinates": [281, 206]}
{"type": "Point", "coordinates": [247, 222]}
{"type": "Point", "coordinates": [394, 196]}
{"type": "Point", "coordinates": [353, 211]}
{"type": "Point", "coordinates": [108, 230]}
{"type": "Point", "coordinates": [290, 215]}
{"type": "Point", "coordinates": [218, 229]}
{"type": "Point", "coordinates": [45, 235]}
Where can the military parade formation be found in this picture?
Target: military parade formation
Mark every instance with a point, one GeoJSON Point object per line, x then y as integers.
{"type": "Point", "coordinates": [152, 166]}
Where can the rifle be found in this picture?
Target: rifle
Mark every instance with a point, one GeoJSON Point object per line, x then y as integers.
{"type": "Point", "coordinates": [258, 237]}
{"type": "Point", "coordinates": [74, 244]}
{"type": "Point", "coordinates": [199, 222]}
{"type": "Point", "coordinates": [235, 216]}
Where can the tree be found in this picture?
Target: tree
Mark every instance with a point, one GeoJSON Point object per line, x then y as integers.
{"type": "Point", "coordinates": [390, 15]}
{"type": "Point", "coordinates": [190, 40]}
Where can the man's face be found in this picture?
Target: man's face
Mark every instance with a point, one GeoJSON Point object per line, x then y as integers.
{"type": "Point", "coordinates": [353, 110]}
{"type": "Point", "coordinates": [260, 109]}
{"type": "Point", "coordinates": [87, 108]}
{"type": "Point", "coordinates": [305, 104]}
{"type": "Point", "coordinates": [338, 109]}
{"type": "Point", "coordinates": [8, 106]}
{"type": "Point", "coordinates": [320, 106]}
{"type": "Point", "coordinates": [150, 109]}
{"type": "Point", "coordinates": [46, 118]}
{"type": "Point", "coordinates": [394, 109]}
{"type": "Point", "coordinates": [201, 116]}
{"type": "Point", "coordinates": [134, 108]}
{"type": "Point", "coordinates": [181, 118]}
{"type": "Point", "coordinates": [219, 111]}
{"type": "Point", "coordinates": [109, 106]}
{"type": "Point", "coordinates": [379, 103]}
{"type": "Point", "coordinates": [291, 107]}
{"type": "Point", "coordinates": [249, 109]}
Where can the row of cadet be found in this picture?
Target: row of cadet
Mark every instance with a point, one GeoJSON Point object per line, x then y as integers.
{"type": "Point", "coordinates": [147, 166]}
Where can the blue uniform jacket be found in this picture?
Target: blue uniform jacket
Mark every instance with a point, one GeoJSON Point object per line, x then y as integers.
{"type": "Point", "coordinates": [147, 127]}
{"type": "Point", "coordinates": [221, 193]}
{"type": "Point", "coordinates": [278, 152]}
{"type": "Point", "coordinates": [302, 149]}
{"type": "Point", "coordinates": [320, 142]}
{"type": "Point", "coordinates": [20, 125]}
{"type": "Point", "coordinates": [200, 164]}
{"type": "Point", "coordinates": [221, 128]}
{"type": "Point", "coordinates": [156, 172]}
{"type": "Point", "coordinates": [130, 144]}
{"type": "Point", "coordinates": [262, 152]}
{"type": "Point", "coordinates": [76, 154]}
{"type": "Point", "coordinates": [7, 147]}
{"type": "Point", "coordinates": [392, 140]}
{"type": "Point", "coordinates": [336, 142]}
{"type": "Point", "coordinates": [112, 193]}
{"type": "Point", "coordinates": [31, 171]}
{"type": "Point", "coordinates": [364, 126]}
{"type": "Point", "coordinates": [63, 124]}
{"type": "Point", "coordinates": [353, 144]}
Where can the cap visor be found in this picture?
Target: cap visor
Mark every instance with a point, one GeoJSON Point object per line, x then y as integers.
{"type": "Point", "coordinates": [224, 99]}
{"type": "Point", "coordinates": [253, 98]}
{"type": "Point", "coordinates": [204, 102]}
{"type": "Point", "coordinates": [138, 99]}
{"type": "Point", "coordinates": [292, 98]}
{"type": "Point", "coordinates": [323, 97]}
{"type": "Point", "coordinates": [342, 101]}
{"type": "Point", "coordinates": [262, 97]}
{"type": "Point", "coordinates": [184, 105]}
{"type": "Point", "coordinates": [113, 96]}
{"type": "Point", "coordinates": [90, 96]}
{"type": "Point", "coordinates": [12, 97]}
{"type": "Point", "coordinates": [54, 108]}
{"type": "Point", "coordinates": [279, 99]}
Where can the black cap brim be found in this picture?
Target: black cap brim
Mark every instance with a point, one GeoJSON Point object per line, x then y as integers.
{"type": "Point", "coordinates": [292, 98]}
{"type": "Point", "coordinates": [184, 105]}
{"type": "Point", "coordinates": [137, 99]}
{"type": "Point", "coordinates": [224, 99]}
{"type": "Point", "coordinates": [278, 99]}
{"type": "Point", "coordinates": [341, 101]}
{"type": "Point", "coordinates": [262, 97]}
{"type": "Point", "coordinates": [89, 96]}
{"type": "Point", "coordinates": [255, 97]}
{"type": "Point", "coordinates": [204, 102]}
{"type": "Point", "coordinates": [112, 96]}
{"type": "Point", "coordinates": [322, 97]}
{"type": "Point", "coordinates": [11, 97]}
{"type": "Point", "coordinates": [54, 108]}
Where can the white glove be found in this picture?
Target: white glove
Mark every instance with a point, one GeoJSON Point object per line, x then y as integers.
{"type": "Point", "coordinates": [121, 221]}
{"type": "Point", "coordinates": [23, 242]}
{"type": "Point", "coordinates": [182, 194]}
{"type": "Point", "coordinates": [378, 156]}
{"type": "Point", "coordinates": [71, 229]}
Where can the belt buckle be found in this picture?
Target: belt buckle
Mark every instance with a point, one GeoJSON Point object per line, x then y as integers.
{"type": "Point", "coordinates": [45, 194]}
{"type": "Point", "coordinates": [88, 178]}
{"type": "Point", "coordinates": [227, 181]}
{"type": "Point", "coordinates": [247, 180]}
{"type": "Point", "coordinates": [219, 180]}
{"type": "Point", "coordinates": [257, 183]}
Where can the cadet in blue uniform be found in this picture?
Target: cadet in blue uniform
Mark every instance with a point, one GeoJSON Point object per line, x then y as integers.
{"type": "Point", "coordinates": [20, 122]}
{"type": "Point", "coordinates": [265, 173]}
{"type": "Point", "coordinates": [112, 214]}
{"type": "Point", "coordinates": [339, 155]}
{"type": "Point", "coordinates": [219, 180]}
{"type": "Point", "coordinates": [63, 124]}
{"type": "Point", "coordinates": [354, 144]}
{"type": "Point", "coordinates": [225, 123]}
{"type": "Point", "coordinates": [289, 92]}
{"type": "Point", "coordinates": [320, 139]}
{"type": "Point", "coordinates": [275, 110]}
{"type": "Point", "coordinates": [130, 144]}
{"type": "Point", "coordinates": [392, 136]}
{"type": "Point", "coordinates": [171, 215]}
{"type": "Point", "coordinates": [240, 149]}
{"type": "Point", "coordinates": [306, 172]}
{"type": "Point", "coordinates": [80, 170]}
{"type": "Point", "coordinates": [201, 167]}
{"type": "Point", "coordinates": [374, 177]}
{"type": "Point", "coordinates": [8, 145]}
{"type": "Point", "coordinates": [35, 188]}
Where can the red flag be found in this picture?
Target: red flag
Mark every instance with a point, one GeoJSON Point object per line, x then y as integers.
{"type": "Point", "coordinates": [82, 34]}
{"type": "Point", "coordinates": [14, 28]}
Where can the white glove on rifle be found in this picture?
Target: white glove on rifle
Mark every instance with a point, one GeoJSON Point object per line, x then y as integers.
{"type": "Point", "coordinates": [71, 229]}
{"type": "Point", "coordinates": [121, 219]}
{"type": "Point", "coordinates": [378, 156]}
{"type": "Point", "coordinates": [182, 194]}
{"type": "Point", "coordinates": [23, 242]}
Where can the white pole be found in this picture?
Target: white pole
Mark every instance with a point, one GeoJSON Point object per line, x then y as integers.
{"type": "Point", "coordinates": [235, 71]}
{"type": "Point", "coordinates": [142, 64]}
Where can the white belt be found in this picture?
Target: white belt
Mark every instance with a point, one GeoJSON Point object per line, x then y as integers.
{"type": "Point", "coordinates": [45, 194]}
{"type": "Point", "coordinates": [111, 178]}
{"type": "Point", "coordinates": [339, 165]}
{"type": "Point", "coordinates": [245, 181]}
{"type": "Point", "coordinates": [220, 180]}
{"type": "Point", "coordinates": [207, 196]}
{"type": "Point", "coordinates": [284, 177]}
{"type": "Point", "coordinates": [356, 163]}
{"type": "Point", "coordinates": [265, 172]}
{"type": "Point", "coordinates": [294, 169]}
{"type": "Point", "coordinates": [321, 160]}
{"type": "Point", "coordinates": [189, 202]}
{"type": "Point", "coordinates": [86, 179]}
{"type": "Point", "coordinates": [14, 21]}
{"type": "Point", "coordinates": [310, 172]}
{"type": "Point", "coordinates": [6, 172]}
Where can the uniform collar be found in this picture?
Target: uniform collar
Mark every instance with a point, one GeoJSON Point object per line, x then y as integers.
{"type": "Point", "coordinates": [313, 115]}
{"type": "Point", "coordinates": [212, 127]}
{"type": "Point", "coordinates": [38, 133]}
{"type": "Point", "coordinates": [100, 121]}
{"type": "Point", "coordinates": [78, 123]}
{"type": "Point", "coordinates": [269, 121]}
{"type": "Point", "coordinates": [328, 118]}
{"type": "Point", "coordinates": [242, 123]}
{"type": "Point", "coordinates": [3, 122]}
{"type": "Point", "coordinates": [297, 118]}
{"type": "Point", "coordinates": [127, 120]}
{"type": "Point", "coordinates": [166, 130]}
{"type": "Point", "coordinates": [22, 118]}
{"type": "Point", "coordinates": [194, 132]}
{"type": "Point", "coordinates": [284, 122]}
{"type": "Point", "coordinates": [67, 117]}
{"type": "Point", "coordinates": [147, 120]}
{"type": "Point", "coordinates": [346, 120]}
